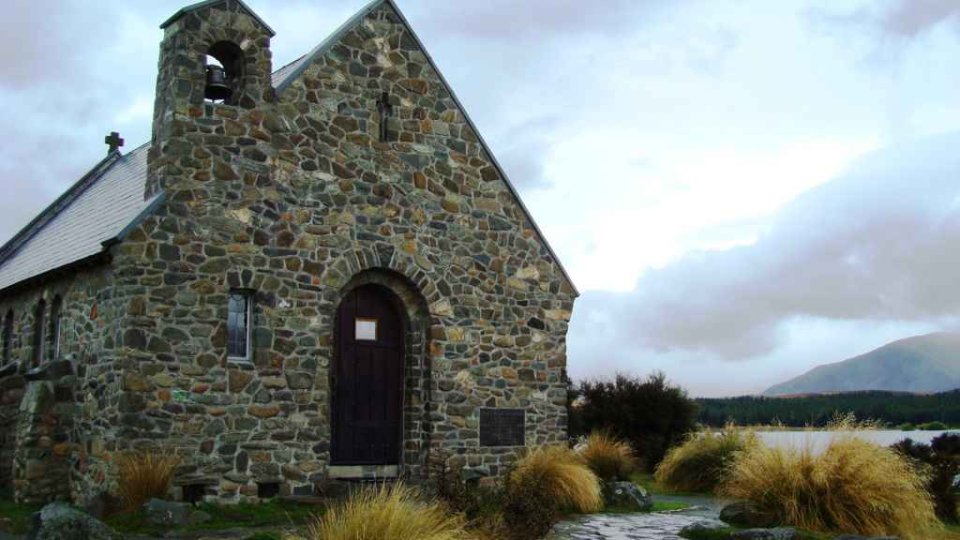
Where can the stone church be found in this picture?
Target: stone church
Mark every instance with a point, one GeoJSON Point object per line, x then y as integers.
{"type": "Point", "coordinates": [308, 274]}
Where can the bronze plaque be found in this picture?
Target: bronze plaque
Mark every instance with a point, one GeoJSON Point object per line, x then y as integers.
{"type": "Point", "coordinates": [502, 427]}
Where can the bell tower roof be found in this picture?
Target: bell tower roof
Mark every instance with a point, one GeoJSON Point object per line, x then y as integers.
{"type": "Point", "coordinates": [210, 3]}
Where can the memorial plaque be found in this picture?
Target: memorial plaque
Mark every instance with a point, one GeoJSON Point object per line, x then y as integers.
{"type": "Point", "coordinates": [502, 427]}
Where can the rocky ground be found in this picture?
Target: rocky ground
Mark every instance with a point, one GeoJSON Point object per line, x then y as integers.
{"type": "Point", "coordinates": [640, 526]}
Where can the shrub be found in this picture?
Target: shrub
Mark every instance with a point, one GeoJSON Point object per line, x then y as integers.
{"type": "Point", "coordinates": [939, 462]}
{"type": "Point", "coordinates": [529, 511]}
{"type": "Point", "coordinates": [562, 474]}
{"type": "Point", "coordinates": [142, 476]}
{"type": "Point", "coordinates": [932, 426]}
{"type": "Point", "coordinates": [608, 457]}
{"type": "Point", "coordinates": [649, 413]}
{"type": "Point", "coordinates": [853, 487]}
{"type": "Point", "coordinates": [481, 505]}
{"type": "Point", "coordinates": [387, 512]}
{"type": "Point", "coordinates": [702, 462]}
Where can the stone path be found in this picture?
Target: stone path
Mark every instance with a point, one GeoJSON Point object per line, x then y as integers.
{"type": "Point", "coordinates": [653, 526]}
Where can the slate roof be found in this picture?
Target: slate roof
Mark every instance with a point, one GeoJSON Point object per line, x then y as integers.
{"type": "Point", "coordinates": [98, 208]}
{"type": "Point", "coordinates": [108, 201]}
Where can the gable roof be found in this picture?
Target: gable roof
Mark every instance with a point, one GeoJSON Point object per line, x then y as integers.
{"type": "Point", "coordinates": [107, 202]}
{"type": "Point", "coordinates": [99, 208]}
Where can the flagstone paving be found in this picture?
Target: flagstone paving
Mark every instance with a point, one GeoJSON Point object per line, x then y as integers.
{"type": "Point", "coordinates": [652, 526]}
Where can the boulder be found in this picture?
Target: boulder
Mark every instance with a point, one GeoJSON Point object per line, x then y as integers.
{"type": "Point", "coordinates": [172, 514]}
{"type": "Point", "coordinates": [780, 533]}
{"type": "Point", "coordinates": [746, 514]}
{"type": "Point", "coordinates": [58, 521]}
{"type": "Point", "coordinates": [698, 529]}
{"type": "Point", "coordinates": [626, 495]}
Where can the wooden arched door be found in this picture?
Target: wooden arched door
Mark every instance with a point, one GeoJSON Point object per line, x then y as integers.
{"type": "Point", "coordinates": [367, 380]}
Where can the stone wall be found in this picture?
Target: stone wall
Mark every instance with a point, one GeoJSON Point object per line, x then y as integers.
{"type": "Point", "coordinates": [295, 197]}
{"type": "Point", "coordinates": [12, 385]}
{"type": "Point", "coordinates": [430, 202]}
{"type": "Point", "coordinates": [48, 410]}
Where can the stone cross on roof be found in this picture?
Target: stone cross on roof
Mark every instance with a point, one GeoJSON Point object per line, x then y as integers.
{"type": "Point", "coordinates": [114, 141]}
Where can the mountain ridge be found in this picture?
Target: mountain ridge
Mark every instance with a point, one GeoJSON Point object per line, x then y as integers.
{"type": "Point", "coordinates": [923, 364]}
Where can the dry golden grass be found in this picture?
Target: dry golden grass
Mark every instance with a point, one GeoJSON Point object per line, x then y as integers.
{"type": "Point", "coordinates": [608, 457]}
{"type": "Point", "coordinates": [853, 487]}
{"type": "Point", "coordinates": [142, 476]}
{"type": "Point", "coordinates": [700, 464]}
{"type": "Point", "coordinates": [563, 475]}
{"type": "Point", "coordinates": [388, 513]}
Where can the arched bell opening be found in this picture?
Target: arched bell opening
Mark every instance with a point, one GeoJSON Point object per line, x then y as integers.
{"type": "Point", "coordinates": [224, 73]}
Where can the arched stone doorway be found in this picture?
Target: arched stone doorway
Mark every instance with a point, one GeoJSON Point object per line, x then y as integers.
{"type": "Point", "coordinates": [367, 377]}
{"type": "Point", "coordinates": [408, 302]}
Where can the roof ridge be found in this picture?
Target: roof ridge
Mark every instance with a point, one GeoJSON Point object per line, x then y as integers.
{"type": "Point", "coordinates": [36, 224]}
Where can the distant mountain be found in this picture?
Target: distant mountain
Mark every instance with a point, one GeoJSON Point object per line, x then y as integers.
{"type": "Point", "coordinates": [921, 364]}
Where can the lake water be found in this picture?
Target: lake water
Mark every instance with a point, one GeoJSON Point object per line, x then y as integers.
{"type": "Point", "coordinates": [818, 440]}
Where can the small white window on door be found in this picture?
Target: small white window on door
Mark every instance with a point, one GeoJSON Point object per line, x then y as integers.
{"type": "Point", "coordinates": [366, 330]}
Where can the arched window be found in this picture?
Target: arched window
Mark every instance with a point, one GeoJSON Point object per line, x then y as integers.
{"type": "Point", "coordinates": [56, 314]}
{"type": "Point", "coordinates": [224, 72]}
{"type": "Point", "coordinates": [7, 338]}
{"type": "Point", "coordinates": [39, 325]}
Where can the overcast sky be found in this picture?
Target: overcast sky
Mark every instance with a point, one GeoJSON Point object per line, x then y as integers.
{"type": "Point", "coordinates": [740, 189]}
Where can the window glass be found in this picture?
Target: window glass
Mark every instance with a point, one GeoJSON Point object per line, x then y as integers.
{"type": "Point", "coordinates": [238, 325]}
{"type": "Point", "coordinates": [56, 313]}
{"type": "Point", "coordinates": [366, 330]}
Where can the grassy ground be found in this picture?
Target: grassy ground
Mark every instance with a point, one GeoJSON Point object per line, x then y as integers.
{"type": "Point", "coordinates": [646, 480]}
{"type": "Point", "coordinates": [657, 507]}
{"type": "Point", "coordinates": [18, 514]}
{"type": "Point", "coordinates": [280, 514]}
{"type": "Point", "coordinates": [15, 518]}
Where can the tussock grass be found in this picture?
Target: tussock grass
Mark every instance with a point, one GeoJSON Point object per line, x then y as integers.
{"type": "Point", "coordinates": [700, 464]}
{"type": "Point", "coordinates": [142, 476]}
{"type": "Point", "coordinates": [853, 487]}
{"type": "Point", "coordinates": [608, 457]}
{"type": "Point", "coordinates": [388, 513]}
{"type": "Point", "coordinates": [563, 475]}
{"type": "Point", "coordinates": [850, 422]}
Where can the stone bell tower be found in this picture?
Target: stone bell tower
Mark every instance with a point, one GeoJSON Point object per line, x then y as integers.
{"type": "Point", "coordinates": [215, 63]}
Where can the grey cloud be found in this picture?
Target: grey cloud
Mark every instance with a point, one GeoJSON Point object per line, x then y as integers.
{"type": "Point", "coordinates": [52, 41]}
{"type": "Point", "coordinates": [530, 18]}
{"type": "Point", "coordinates": [911, 17]}
{"type": "Point", "coordinates": [880, 243]}
{"type": "Point", "coordinates": [523, 149]}
{"type": "Point", "coordinates": [899, 19]}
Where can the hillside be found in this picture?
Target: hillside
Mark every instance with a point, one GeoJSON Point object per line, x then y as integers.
{"type": "Point", "coordinates": [921, 364]}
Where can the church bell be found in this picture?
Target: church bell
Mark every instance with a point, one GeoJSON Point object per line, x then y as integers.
{"type": "Point", "coordinates": [217, 88]}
